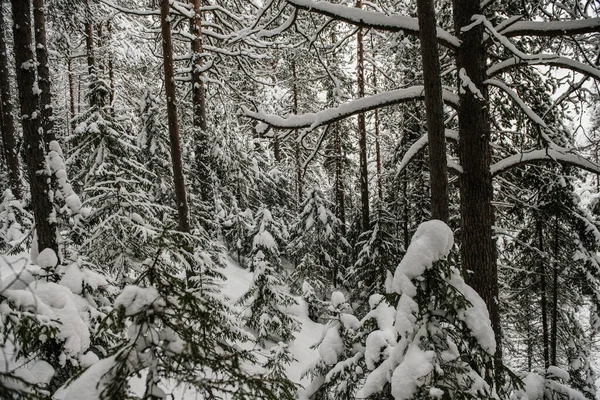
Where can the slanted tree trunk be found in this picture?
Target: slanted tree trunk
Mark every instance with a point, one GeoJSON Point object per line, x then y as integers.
{"type": "Point", "coordinates": [9, 142]}
{"type": "Point", "coordinates": [43, 70]}
{"type": "Point", "coordinates": [170, 89]}
{"type": "Point", "coordinates": [435, 110]}
{"type": "Point", "coordinates": [478, 248]}
{"type": "Point", "coordinates": [199, 103]}
{"type": "Point", "coordinates": [543, 291]}
{"type": "Point", "coordinates": [34, 142]}
{"type": "Point", "coordinates": [362, 131]}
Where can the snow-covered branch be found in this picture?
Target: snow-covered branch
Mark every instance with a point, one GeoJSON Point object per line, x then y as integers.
{"type": "Point", "coordinates": [543, 155]}
{"type": "Point", "coordinates": [504, 87]}
{"type": "Point", "coordinates": [562, 62]}
{"type": "Point", "coordinates": [331, 115]}
{"type": "Point", "coordinates": [372, 19]}
{"type": "Point", "coordinates": [552, 28]}
{"type": "Point", "coordinates": [420, 145]}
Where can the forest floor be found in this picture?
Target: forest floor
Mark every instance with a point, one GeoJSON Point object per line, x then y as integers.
{"type": "Point", "coordinates": [237, 283]}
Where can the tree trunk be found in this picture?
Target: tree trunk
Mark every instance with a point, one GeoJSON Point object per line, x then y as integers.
{"type": "Point", "coordinates": [8, 124]}
{"type": "Point", "coordinates": [339, 179]}
{"type": "Point", "coordinates": [199, 104]}
{"type": "Point", "coordinates": [111, 72]}
{"type": "Point", "coordinates": [71, 87]}
{"type": "Point", "coordinates": [43, 70]}
{"type": "Point", "coordinates": [170, 89]}
{"type": "Point", "coordinates": [89, 39]}
{"type": "Point", "coordinates": [543, 291]}
{"type": "Point", "coordinates": [554, 326]}
{"type": "Point", "coordinates": [435, 110]}
{"type": "Point", "coordinates": [297, 143]}
{"type": "Point", "coordinates": [478, 248]}
{"type": "Point", "coordinates": [377, 141]}
{"type": "Point", "coordinates": [34, 142]}
{"type": "Point", "coordinates": [362, 131]}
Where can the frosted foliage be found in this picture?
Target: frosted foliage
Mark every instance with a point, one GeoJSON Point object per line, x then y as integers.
{"type": "Point", "coordinates": [475, 316]}
{"type": "Point", "coordinates": [415, 365]}
{"type": "Point", "coordinates": [331, 346]}
{"type": "Point", "coordinates": [432, 241]}
{"type": "Point", "coordinates": [91, 384]}
{"type": "Point", "coordinates": [134, 299]}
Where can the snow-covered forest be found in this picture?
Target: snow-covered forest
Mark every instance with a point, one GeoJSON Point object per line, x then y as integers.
{"type": "Point", "coordinates": [299, 199]}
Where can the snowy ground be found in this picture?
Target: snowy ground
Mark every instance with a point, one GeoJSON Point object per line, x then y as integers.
{"type": "Point", "coordinates": [237, 283]}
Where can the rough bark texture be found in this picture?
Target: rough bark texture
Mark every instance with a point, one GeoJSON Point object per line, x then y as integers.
{"type": "Point", "coordinates": [299, 188]}
{"type": "Point", "coordinates": [71, 87]}
{"type": "Point", "coordinates": [377, 142]}
{"type": "Point", "coordinates": [180, 195]}
{"type": "Point", "coordinates": [362, 131]}
{"type": "Point", "coordinates": [43, 70]}
{"type": "Point", "coordinates": [89, 39]}
{"type": "Point", "coordinates": [9, 142]}
{"type": "Point", "coordinates": [434, 106]}
{"type": "Point", "coordinates": [199, 104]}
{"type": "Point", "coordinates": [543, 291]}
{"type": "Point", "coordinates": [34, 142]}
{"type": "Point", "coordinates": [478, 247]}
{"type": "Point", "coordinates": [554, 326]}
{"type": "Point", "coordinates": [111, 72]}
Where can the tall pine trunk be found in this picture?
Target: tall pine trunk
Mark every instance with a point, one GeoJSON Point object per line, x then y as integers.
{"type": "Point", "coordinates": [170, 89]}
{"type": "Point", "coordinates": [543, 293]}
{"type": "Point", "coordinates": [111, 72]}
{"type": "Point", "coordinates": [554, 326]}
{"type": "Point", "coordinates": [299, 186]}
{"type": "Point", "coordinates": [435, 110]}
{"type": "Point", "coordinates": [34, 142]}
{"type": "Point", "coordinates": [43, 70]}
{"type": "Point", "coordinates": [199, 103]}
{"type": "Point", "coordinates": [377, 142]}
{"type": "Point", "coordinates": [9, 142]}
{"type": "Point", "coordinates": [362, 131]}
{"type": "Point", "coordinates": [478, 247]}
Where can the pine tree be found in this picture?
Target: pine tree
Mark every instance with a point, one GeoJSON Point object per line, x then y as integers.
{"type": "Point", "coordinates": [265, 300]}
{"type": "Point", "coordinates": [317, 246]}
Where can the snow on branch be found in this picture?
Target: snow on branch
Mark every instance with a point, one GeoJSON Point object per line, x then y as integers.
{"type": "Point", "coordinates": [528, 111]}
{"type": "Point", "coordinates": [331, 115]}
{"type": "Point", "coordinates": [420, 145]}
{"type": "Point", "coordinates": [559, 155]}
{"type": "Point", "coordinates": [372, 19]}
{"type": "Point", "coordinates": [552, 28]}
{"type": "Point", "coordinates": [562, 62]}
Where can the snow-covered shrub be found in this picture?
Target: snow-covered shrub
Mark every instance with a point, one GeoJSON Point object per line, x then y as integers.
{"type": "Point", "coordinates": [15, 221]}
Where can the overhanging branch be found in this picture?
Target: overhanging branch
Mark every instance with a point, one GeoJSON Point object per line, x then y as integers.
{"type": "Point", "coordinates": [545, 155]}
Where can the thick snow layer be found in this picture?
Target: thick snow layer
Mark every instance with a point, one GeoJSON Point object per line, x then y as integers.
{"type": "Point", "coordinates": [476, 316]}
{"type": "Point", "coordinates": [134, 299]}
{"type": "Point", "coordinates": [86, 387]}
{"type": "Point", "coordinates": [47, 258]}
{"type": "Point", "coordinates": [431, 242]}
{"type": "Point", "coordinates": [415, 365]}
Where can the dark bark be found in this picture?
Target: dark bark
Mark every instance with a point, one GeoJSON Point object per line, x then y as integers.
{"type": "Point", "coordinates": [34, 142]}
{"type": "Point", "coordinates": [299, 188]}
{"type": "Point", "coordinates": [339, 179]}
{"type": "Point", "coordinates": [199, 103]}
{"type": "Point", "coordinates": [111, 71]}
{"type": "Point", "coordinates": [170, 89]}
{"type": "Point", "coordinates": [478, 248]}
{"type": "Point", "coordinates": [43, 70]}
{"type": "Point", "coordinates": [89, 39]}
{"type": "Point", "coordinates": [362, 131]}
{"type": "Point", "coordinates": [543, 291]}
{"type": "Point", "coordinates": [554, 325]}
{"type": "Point", "coordinates": [71, 87]}
{"type": "Point", "coordinates": [377, 142]}
{"type": "Point", "coordinates": [434, 106]}
{"type": "Point", "coordinates": [9, 142]}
